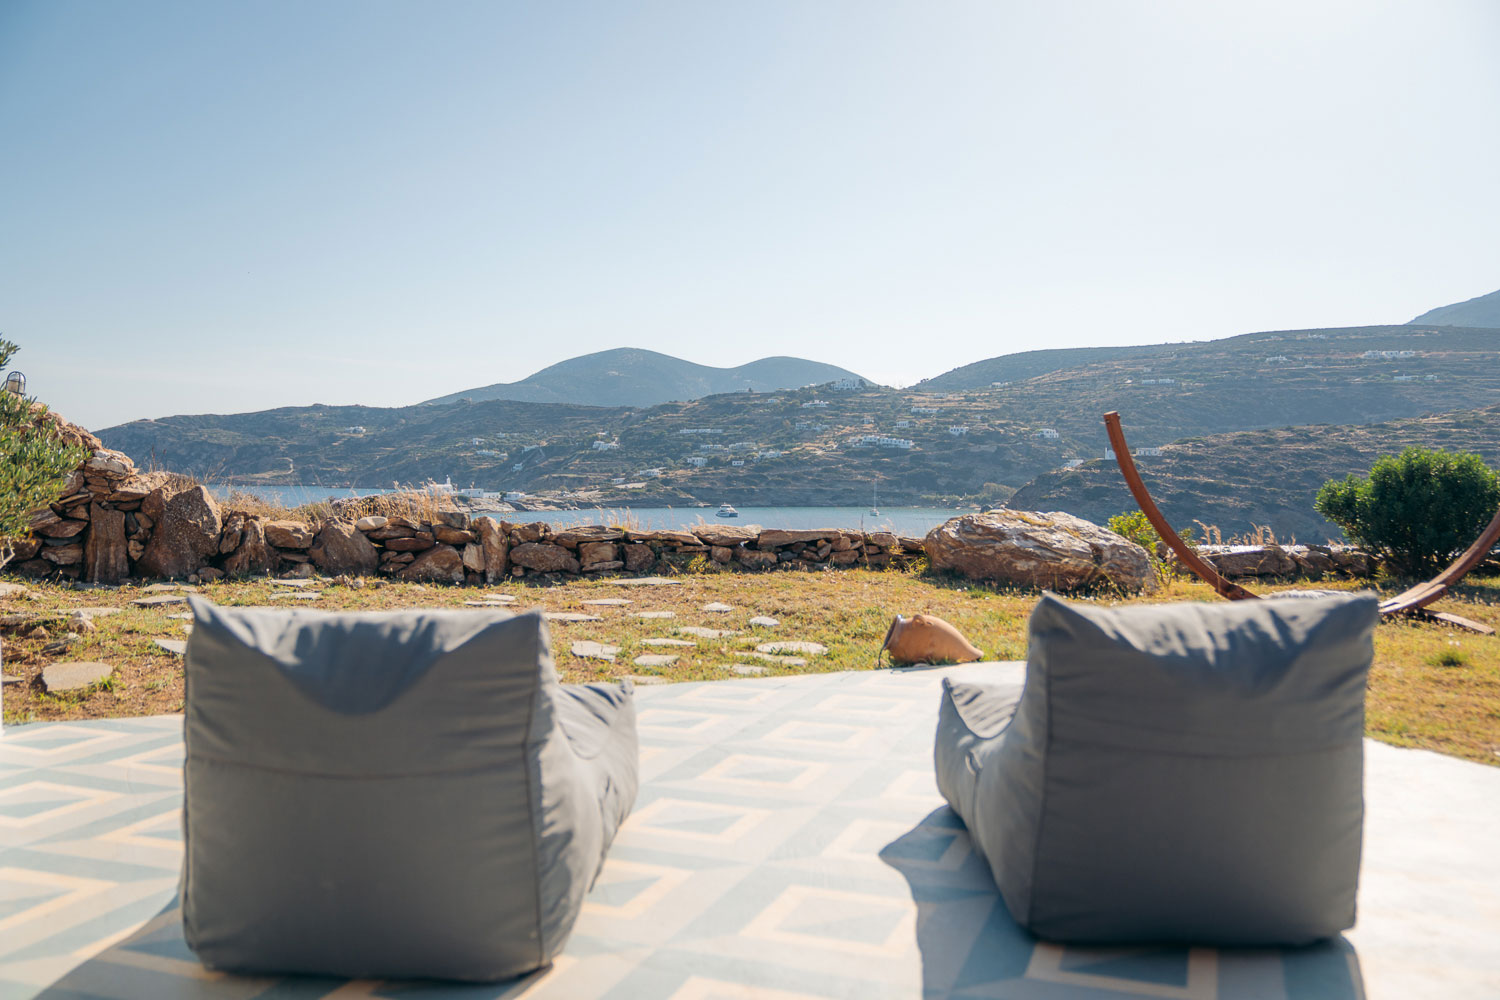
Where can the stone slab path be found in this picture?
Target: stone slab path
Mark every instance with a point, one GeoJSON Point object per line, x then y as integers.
{"type": "Point", "coordinates": [762, 621]}
{"type": "Point", "coordinates": [60, 678]}
{"type": "Point", "coordinates": [570, 616]}
{"type": "Point", "coordinates": [159, 600]}
{"type": "Point", "coordinates": [717, 607]}
{"type": "Point", "coordinates": [647, 581]}
{"type": "Point", "coordinates": [792, 647]}
{"type": "Point", "coordinates": [654, 660]}
{"type": "Point", "coordinates": [708, 633]}
{"type": "Point", "coordinates": [175, 646]}
{"type": "Point", "coordinates": [676, 643]}
{"type": "Point", "coordinates": [590, 650]}
{"type": "Point", "coordinates": [654, 614]}
{"type": "Point", "coordinates": [608, 602]}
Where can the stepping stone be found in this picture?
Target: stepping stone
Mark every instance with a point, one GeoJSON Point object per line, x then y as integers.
{"type": "Point", "coordinates": [645, 679]}
{"type": "Point", "coordinates": [297, 596]}
{"type": "Point", "coordinates": [717, 607]}
{"type": "Point", "coordinates": [157, 600]}
{"type": "Point", "coordinates": [646, 581]}
{"type": "Point", "coordinates": [608, 602]}
{"type": "Point", "coordinates": [500, 598]}
{"type": "Point", "coordinates": [167, 588]}
{"type": "Point", "coordinates": [570, 616]}
{"type": "Point", "coordinates": [785, 661]}
{"type": "Point", "coordinates": [60, 678]}
{"type": "Point", "coordinates": [290, 583]}
{"type": "Point", "coordinates": [95, 612]}
{"type": "Point", "coordinates": [185, 616]}
{"type": "Point", "coordinates": [748, 669]}
{"type": "Point", "coordinates": [178, 646]}
{"type": "Point", "coordinates": [654, 660]}
{"type": "Point", "coordinates": [590, 650]}
{"type": "Point", "coordinates": [13, 590]}
{"type": "Point", "coordinates": [489, 604]}
{"type": "Point", "coordinates": [763, 622]}
{"type": "Point", "coordinates": [8, 679]}
{"type": "Point", "coordinates": [805, 648]}
{"type": "Point", "coordinates": [676, 643]}
{"type": "Point", "coordinates": [708, 633]}
{"type": "Point", "coordinates": [654, 614]}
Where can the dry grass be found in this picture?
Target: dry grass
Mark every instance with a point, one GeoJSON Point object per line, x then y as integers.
{"type": "Point", "coordinates": [1431, 686]}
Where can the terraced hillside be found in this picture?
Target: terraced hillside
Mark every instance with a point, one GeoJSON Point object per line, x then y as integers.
{"type": "Point", "coordinates": [1265, 477]}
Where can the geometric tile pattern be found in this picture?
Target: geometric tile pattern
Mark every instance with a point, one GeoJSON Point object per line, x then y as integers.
{"type": "Point", "coordinates": [788, 844]}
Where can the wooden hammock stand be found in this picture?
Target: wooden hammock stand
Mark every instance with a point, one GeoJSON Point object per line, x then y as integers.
{"type": "Point", "coordinates": [1411, 602]}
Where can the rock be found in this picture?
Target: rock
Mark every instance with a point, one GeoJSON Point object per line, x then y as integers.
{"type": "Point", "coordinates": [82, 624]}
{"type": "Point", "coordinates": [371, 521]}
{"type": "Point", "coordinates": [391, 530]}
{"type": "Point", "coordinates": [1247, 560]}
{"type": "Point", "coordinates": [46, 523]}
{"type": "Point", "coordinates": [303, 570]}
{"type": "Point", "coordinates": [137, 488]}
{"type": "Point", "coordinates": [776, 537]}
{"type": "Point", "coordinates": [174, 646]}
{"type": "Point", "coordinates": [451, 518]}
{"type": "Point", "coordinates": [608, 602]}
{"type": "Point", "coordinates": [675, 643]}
{"type": "Point", "coordinates": [721, 554]}
{"type": "Point", "coordinates": [1055, 550]}
{"type": "Point", "coordinates": [885, 540]}
{"type": "Point", "coordinates": [473, 557]}
{"type": "Point", "coordinates": [13, 590]}
{"type": "Point", "coordinates": [653, 614]}
{"type": "Point", "coordinates": [604, 567]}
{"type": "Point", "coordinates": [291, 556]}
{"type": "Point", "coordinates": [486, 604]}
{"type": "Point", "coordinates": [415, 543]}
{"type": "Point", "coordinates": [716, 607]}
{"type": "Point", "coordinates": [495, 547]}
{"type": "Point", "coordinates": [912, 545]}
{"type": "Point", "coordinates": [64, 555]}
{"type": "Point", "coordinates": [654, 660]}
{"type": "Point", "coordinates": [296, 584]}
{"type": "Point", "coordinates": [1351, 560]}
{"type": "Point", "coordinates": [439, 564]}
{"type": "Point", "coordinates": [67, 677]}
{"type": "Point", "coordinates": [669, 537]}
{"type": "Point", "coordinates": [34, 567]}
{"type": "Point", "coordinates": [1312, 560]}
{"type": "Point", "coordinates": [594, 651]}
{"type": "Point", "coordinates": [230, 537]}
{"type": "Point", "coordinates": [748, 669]}
{"type": "Point", "coordinates": [570, 616]}
{"type": "Point", "coordinates": [848, 557]}
{"type": "Point", "coordinates": [341, 547]}
{"type": "Point", "coordinates": [186, 534]}
{"type": "Point", "coordinates": [637, 558]}
{"type": "Point", "coordinates": [452, 536]}
{"type": "Point", "coordinates": [791, 647]}
{"type": "Point", "coordinates": [533, 531]}
{"type": "Point", "coordinates": [707, 633]}
{"type": "Point", "coordinates": [95, 612]}
{"type": "Point", "coordinates": [500, 598]}
{"type": "Point", "coordinates": [104, 553]}
{"type": "Point", "coordinates": [762, 621]}
{"type": "Point", "coordinates": [785, 661]}
{"type": "Point", "coordinates": [727, 535]}
{"type": "Point", "coordinates": [576, 537]}
{"type": "Point", "coordinates": [288, 534]}
{"type": "Point", "coordinates": [592, 553]}
{"type": "Point", "coordinates": [8, 679]}
{"type": "Point", "coordinates": [254, 557]}
{"type": "Point", "coordinates": [26, 548]}
{"type": "Point", "coordinates": [756, 558]}
{"type": "Point", "coordinates": [544, 557]}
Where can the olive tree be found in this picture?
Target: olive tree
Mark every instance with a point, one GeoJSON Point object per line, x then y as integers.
{"type": "Point", "coordinates": [34, 463]}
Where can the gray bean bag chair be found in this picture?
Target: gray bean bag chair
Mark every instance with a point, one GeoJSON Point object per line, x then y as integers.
{"type": "Point", "coordinates": [1171, 773]}
{"type": "Point", "coordinates": [392, 795]}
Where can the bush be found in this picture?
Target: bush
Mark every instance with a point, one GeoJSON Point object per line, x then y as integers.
{"type": "Point", "coordinates": [34, 464]}
{"type": "Point", "coordinates": [1134, 526]}
{"type": "Point", "coordinates": [1417, 509]}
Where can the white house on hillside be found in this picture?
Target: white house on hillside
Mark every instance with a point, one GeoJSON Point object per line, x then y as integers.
{"type": "Point", "coordinates": [959, 430]}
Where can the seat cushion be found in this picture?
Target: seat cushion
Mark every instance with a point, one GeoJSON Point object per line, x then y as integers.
{"type": "Point", "coordinates": [1181, 772]}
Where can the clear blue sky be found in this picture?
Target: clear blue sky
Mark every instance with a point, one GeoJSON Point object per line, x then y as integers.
{"type": "Point", "coordinates": [209, 206]}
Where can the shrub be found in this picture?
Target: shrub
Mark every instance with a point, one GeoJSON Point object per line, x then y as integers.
{"type": "Point", "coordinates": [1134, 526]}
{"type": "Point", "coordinates": [34, 463]}
{"type": "Point", "coordinates": [1416, 510]}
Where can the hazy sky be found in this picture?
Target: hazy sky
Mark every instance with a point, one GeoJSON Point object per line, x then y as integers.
{"type": "Point", "coordinates": [209, 206]}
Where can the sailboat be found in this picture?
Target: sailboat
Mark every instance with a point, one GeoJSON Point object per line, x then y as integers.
{"type": "Point", "coordinates": [874, 496]}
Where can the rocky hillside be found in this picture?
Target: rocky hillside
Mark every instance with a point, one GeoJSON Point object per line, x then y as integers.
{"type": "Point", "coordinates": [822, 446]}
{"type": "Point", "coordinates": [1481, 311]}
{"type": "Point", "coordinates": [1267, 477]}
{"type": "Point", "coordinates": [991, 372]}
{"type": "Point", "coordinates": [629, 376]}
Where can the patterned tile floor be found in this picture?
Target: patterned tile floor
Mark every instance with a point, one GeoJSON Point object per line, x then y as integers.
{"type": "Point", "coordinates": [788, 844]}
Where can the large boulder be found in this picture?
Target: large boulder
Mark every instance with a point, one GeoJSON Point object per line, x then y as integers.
{"type": "Point", "coordinates": [342, 548]}
{"type": "Point", "coordinates": [1055, 550]}
{"type": "Point", "coordinates": [289, 534]}
{"type": "Point", "coordinates": [439, 564]}
{"type": "Point", "coordinates": [254, 556]}
{"type": "Point", "coordinates": [185, 535]}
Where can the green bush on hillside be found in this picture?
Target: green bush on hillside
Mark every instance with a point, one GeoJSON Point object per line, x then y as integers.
{"type": "Point", "coordinates": [34, 465]}
{"type": "Point", "coordinates": [1416, 510]}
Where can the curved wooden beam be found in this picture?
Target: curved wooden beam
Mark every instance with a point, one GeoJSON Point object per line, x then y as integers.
{"type": "Point", "coordinates": [1189, 558]}
{"type": "Point", "coordinates": [1412, 601]}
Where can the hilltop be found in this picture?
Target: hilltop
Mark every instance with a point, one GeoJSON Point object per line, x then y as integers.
{"type": "Point", "coordinates": [991, 372]}
{"type": "Point", "coordinates": [829, 446]}
{"type": "Point", "coordinates": [1265, 477]}
{"type": "Point", "coordinates": [1484, 310]}
{"type": "Point", "coordinates": [629, 376]}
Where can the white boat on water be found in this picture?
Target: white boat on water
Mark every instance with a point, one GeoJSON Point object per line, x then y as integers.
{"type": "Point", "coordinates": [727, 511]}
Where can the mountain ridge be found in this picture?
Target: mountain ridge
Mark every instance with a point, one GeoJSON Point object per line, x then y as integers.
{"type": "Point", "coordinates": [634, 376]}
{"type": "Point", "coordinates": [1480, 311]}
